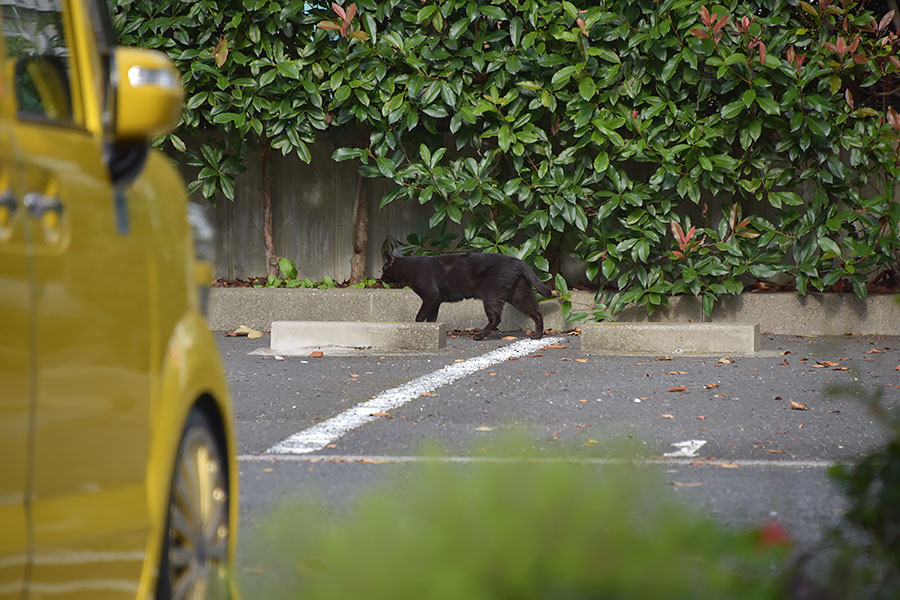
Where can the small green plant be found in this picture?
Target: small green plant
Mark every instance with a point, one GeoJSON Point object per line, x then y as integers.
{"type": "Point", "coordinates": [511, 529]}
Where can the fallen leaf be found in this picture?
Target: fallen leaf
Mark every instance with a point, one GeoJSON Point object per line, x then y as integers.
{"type": "Point", "coordinates": [354, 375]}
{"type": "Point", "coordinates": [538, 354]}
{"type": "Point", "coordinates": [689, 484]}
{"type": "Point", "coordinates": [331, 446]}
{"type": "Point", "coordinates": [786, 353]}
{"type": "Point", "coordinates": [842, 368]}
{"type": "Point", "coordinates": [773, 451]}
{"type": "Point", "coordinates": [381, 414]}
{"type": "Point", "coordinates": [778, 398]}
{"type": "Point", "coordinates": [484, 428]}
{"type": "Point", "coordinates": [781, 431]}
{"type": "Point", "coordinates": [277, 357]}
{"type": "Point", "coordinates": [676, 372]}
{"type": "Point", "coordinates": [268, 470]}
{"type": "Point", "coordinates": [662, 358]}
{"type": "Point", "coordinates": [679, 388]}
{"type": "Point", "coordinates": [584, 360]}
{"type": "Point", "coordinates": [874, 351]}
{"type": "Point", "coordinates": [797, 406]}
{"type": "Point", "coordinates": [554, 347]}
{"type": "Point", "coordinates": [316, 354]}
{"type": "Point", "coordinates": [583, 400]}
{"type": "Point", "coordinates": [509, 337]}
{"type": "Point", "coordinates": [701, 417]}
{"type": "Point", "coordinates": [710, 386]}
{"type": "Point", "coordinates": [513, 358]}
{"type": "Point", "coordinates": [459, 360]}
{"type": "Point", "coordinates": [668, 416]}
{"type": "Point", "coordinates": [784, 363]}
{"type": "Point", "coordinates": [724, 361]}
{"type": "Point", "coordinates": [834, 412]}
{"type": "Point", "coordinates": [563, 359]}
{"type": "Point", "coordinates": [428, 394]}
{"type": "Point", "coordinates": [826, 363]}
{"type": "Point", "coordinates": [243, 330]}
{"type": "Point", "coordinates": [898, 368]}
{"type": "Point", "coordinates": [591, 443]}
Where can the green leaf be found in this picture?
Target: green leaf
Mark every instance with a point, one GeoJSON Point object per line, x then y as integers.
{"type": "Point", "coordinates": [493, 12]}
{"type": "Point", "coordinates": [587, 88]}
{"type": "Point", "coordinates": [385, 166]}
{"type": "Point", "coordinates": [769, 105]}
{"type": "Point", "coordinates": [830, 247]}
{"type": "Point", "coordinates": [733, 109]}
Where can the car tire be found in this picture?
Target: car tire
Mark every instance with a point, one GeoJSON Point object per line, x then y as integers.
{"type": "Point", "coordinates": [194, 562]}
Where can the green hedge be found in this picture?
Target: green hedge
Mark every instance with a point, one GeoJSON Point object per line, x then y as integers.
{"type": "Point", "coordinates": [673, 146]}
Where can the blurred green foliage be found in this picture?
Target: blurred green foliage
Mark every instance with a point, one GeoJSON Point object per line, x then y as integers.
{"type": "Point", "coordinates": [519, 530]}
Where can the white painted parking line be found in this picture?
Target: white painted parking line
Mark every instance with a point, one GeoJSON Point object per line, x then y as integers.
{"type": "Point", "coordinates": [686, 449]}
{"type": "Point", "coordinates": [680, 462]}
{"type": "Point", "coordinates": [319, 436]}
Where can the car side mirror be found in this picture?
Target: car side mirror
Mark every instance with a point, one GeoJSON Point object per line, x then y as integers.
{"type": "Point", "coordinates": [149, 95]}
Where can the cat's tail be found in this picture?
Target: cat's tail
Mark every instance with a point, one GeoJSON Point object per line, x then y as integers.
{"type": "Point", "coordinates": [539, 285]}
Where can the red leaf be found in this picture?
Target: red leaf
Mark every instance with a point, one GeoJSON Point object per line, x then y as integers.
{"type": "Point", "coordinates": [860, 58]}
{"type": "Point", "coordinates": [722, 22]}
{"type": "Point", "coordinates": [841, 46]}
{"type": "Point", "coordinates": [790, 54]}
{"type": "Point", "coordinates": [678, 254]}
{"type": "Point", "coordinates": [339, 10]}
{"type": "Point", "coordinates": [690, 234]}
{"type": "Point", "coordinates": [849, 98]}
{"type": "Point", "coordinates": [762, 53]}
{"type": "Point", "coordinates": [895, 61]}
{"type": "Point", "coordinates": [830, 46]}
{"type": "Point", "coordinates": [329, 25]}
{"type": "Point", "coordinates": [704, 15]}
{"type": "Point", "coordinates": [700, 33]}
{"type": "Point", "coordinates": [351, 12]}
{"type": "Point", "coordinates": [854, 44]}
{"type": "Point", "coordinates": [678, 232]}
{"type": "Point", "coordinates": [885, 20]}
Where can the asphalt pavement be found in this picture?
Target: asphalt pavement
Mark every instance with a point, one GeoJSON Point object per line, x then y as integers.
{"type": "Point", "coordinates": [749, 439]}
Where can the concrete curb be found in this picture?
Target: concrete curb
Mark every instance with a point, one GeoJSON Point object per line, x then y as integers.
{"type": "Point", "coordinates": [302, 337]}
{"type": "Point", "coordinates": [260, 307]}
{"type": "Point", "coordinates": [779, 313]}
{"type": "Point", "coordinates": [686, 339]}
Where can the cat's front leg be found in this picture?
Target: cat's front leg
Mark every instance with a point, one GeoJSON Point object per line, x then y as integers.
{"type": "Point", "coordinates": [428, 311]}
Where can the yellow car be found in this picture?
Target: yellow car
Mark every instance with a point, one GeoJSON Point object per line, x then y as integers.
{"type": "Point", "coordinates": [117, 468]}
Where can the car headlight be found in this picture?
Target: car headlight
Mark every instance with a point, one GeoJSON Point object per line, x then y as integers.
{"type": "Point", "coordinates": [204, 250]}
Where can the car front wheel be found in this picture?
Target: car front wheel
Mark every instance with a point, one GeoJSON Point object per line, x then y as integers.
{"type": "Point", "coordinates": [195, 552]}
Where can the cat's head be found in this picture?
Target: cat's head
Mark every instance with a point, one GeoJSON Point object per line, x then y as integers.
{"type": "Point", "coordinates": [390, 272]}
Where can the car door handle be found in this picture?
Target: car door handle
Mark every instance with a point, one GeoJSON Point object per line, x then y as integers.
{"type": "Point", "coordinates": [40, 204]}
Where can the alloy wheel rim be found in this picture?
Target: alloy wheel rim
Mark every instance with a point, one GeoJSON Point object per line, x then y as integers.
{"type": "Point", "coordinates": [198, 520]}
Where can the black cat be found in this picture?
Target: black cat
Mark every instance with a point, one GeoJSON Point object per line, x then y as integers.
{"type": "Point", "coordinates": [494, 278]}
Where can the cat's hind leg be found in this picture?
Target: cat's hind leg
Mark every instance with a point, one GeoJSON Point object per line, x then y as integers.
{"type": "Point", "coordinates": [493, 308]}
{"type": "Point", "coordinates": [523, 299]}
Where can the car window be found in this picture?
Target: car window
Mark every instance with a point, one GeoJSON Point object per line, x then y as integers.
{"type": "Point", "coordinates": [35, 40]}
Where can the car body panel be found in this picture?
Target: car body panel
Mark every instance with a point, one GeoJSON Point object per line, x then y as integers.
{"type": "Point", "coordinates": [106, 350]}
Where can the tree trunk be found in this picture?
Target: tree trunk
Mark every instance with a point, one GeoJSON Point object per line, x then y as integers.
{"type": "Point", "coordinates": [360, 230]}
{"type": "Point", "coordinates": [268, 220]}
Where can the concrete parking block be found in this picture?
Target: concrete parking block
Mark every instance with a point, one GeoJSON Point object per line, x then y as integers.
{"type": "Point", "coordinates": [299, 337]}
{"type": "Point", "coordinates": [693, 339]}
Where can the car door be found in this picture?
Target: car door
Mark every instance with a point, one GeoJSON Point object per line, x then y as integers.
{"type": "Point", "coordinates": [92, 318]}
{"type": "Point", "coordinates": [15, 358]}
